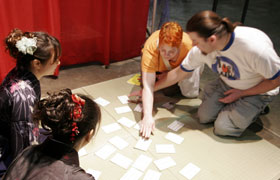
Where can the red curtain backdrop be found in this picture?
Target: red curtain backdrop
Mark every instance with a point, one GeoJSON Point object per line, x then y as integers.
{"type": "Point", "coordinates": [89, 30]}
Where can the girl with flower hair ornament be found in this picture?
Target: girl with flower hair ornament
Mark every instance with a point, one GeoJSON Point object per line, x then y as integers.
{"type": "Point", "coordinates": [37, 54]}
{"type": "Point", "coordinates": [72, 121]}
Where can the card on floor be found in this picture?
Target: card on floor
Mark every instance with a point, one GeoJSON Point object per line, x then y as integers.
{"type": "Point", "coordinates": [164, 163]}
{"type": "Point", "coordinates": [175, 125]}
{"type": "Point", "coordinates": [138, 108]}
{"type": "Point", "coordinates": [168, 105]}
{"type": "Point", "coordinates": [143, 144]}
{"type": "Point", "coordinates": [135, 80]}
{"type": "Point", "coordinates": [102, 102]}
{"type": "Point", "coordinates": [111, 127]}
{"type": "Point", "coordinates": [174, 138]}
{"type": "Point", "coordinates": [152, 175]}
{"type": "Point", "coordinates": [123, 109]}
{"type": "Point", "coordinates": [105, 151]}
{"type": "Point", "coordinates": [142, 162]}
{"type": "Point", "coordinates": [121, 160]}
{"type": "Point", "coordinates": [189, 171]}
{"type": "Point", "coordinates": [119, 142]}
{"type": "Point", "coordinates": [82, 152]}
{"type": "Point", "coordinates": [136, 126]}
{"type": "Point", "coordinates": [165, 148]}
{"type": "Point", "coordinates": [124, 99]}
{"type": "Point", "coordinates": [96, 174]}
{"type": "Point", "coordinates": [126, 122]}
{"type": "Point", "coordinates": [132, 174]}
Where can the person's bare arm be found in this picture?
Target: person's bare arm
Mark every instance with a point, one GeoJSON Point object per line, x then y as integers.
{"type": "Point", "coordinates": [148, 122]}
{"type": "Point", "coordinates": [172, 77]}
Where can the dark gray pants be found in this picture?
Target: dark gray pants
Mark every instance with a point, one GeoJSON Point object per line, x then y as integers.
{"type": "Point", "coordinates": [230, 119]}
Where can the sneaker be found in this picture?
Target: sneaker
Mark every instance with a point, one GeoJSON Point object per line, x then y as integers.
{"type": "Point", "coordinates": [265, 110]}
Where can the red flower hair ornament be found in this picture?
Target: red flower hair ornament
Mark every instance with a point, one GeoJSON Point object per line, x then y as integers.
{"type": "Point", "coordinates": [76, 114]}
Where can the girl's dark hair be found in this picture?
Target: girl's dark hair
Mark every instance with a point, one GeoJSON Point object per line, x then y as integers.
{"type": "Point", "coordinates": [207, 23]}
{"type": "Point", "coordinates": [46, 44]}
{"type": "Point", "coordinates": [54, 114]}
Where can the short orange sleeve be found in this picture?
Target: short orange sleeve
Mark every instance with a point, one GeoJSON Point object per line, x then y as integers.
{"type": "Point", "coordinates": [150, 53]}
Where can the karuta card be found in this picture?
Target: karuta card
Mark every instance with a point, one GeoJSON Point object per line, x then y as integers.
{"type": "Point", "coordinates": [174, 138]}
{"type": "Point", "coordinates": [136, 126]}
{"type": "Point", "coordinates": [175, 125]}
{"type": "Point", "coordinates": [123, 109]}
{"type": "Point", "coordinates": [121, 160]}
{"type": "Point", "coordinates": [132, 174]}
{"type": "Point", "coordinates": [168, 105]}
{"type": "Point", "coordinates": [96, 174]}
{"type": "Point", "coordinates": [119, 142]}
{"type": "Point", "coordinates": [142, 162]}
{"type": "Point", "coordinates": [124, 99]}
{"type": "Point", "coordinates": [82, 152]}
{"type": "Point", "coordinates": [101, 101]}
{"type": "Point", "coordinates": [105, 151]}
{"type": "Point", "coordinates": [111, 127]}
{"type": "Point", "coordinates": [189, 171]}
{"type": "Point", "coordinates": [138, 108]}
{"type": "Point", "coordinates": [152, 175]}
{"type": "Point", "coordinates": [126, 122]}
{"type": "Point", "coordinates": [143, 144]}
{"type": "Point", "coordinates": [165, 163]}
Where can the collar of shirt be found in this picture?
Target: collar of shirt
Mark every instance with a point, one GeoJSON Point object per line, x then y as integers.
{"type": "Point", "coordinates": [61, 151]}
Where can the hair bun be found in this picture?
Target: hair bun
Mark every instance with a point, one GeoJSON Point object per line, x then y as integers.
{"type": "Point", "coordinates": [11, 40]}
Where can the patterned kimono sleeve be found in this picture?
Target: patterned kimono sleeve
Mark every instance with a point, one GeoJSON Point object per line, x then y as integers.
{"type": "Point", "coordinates": [23, 131]}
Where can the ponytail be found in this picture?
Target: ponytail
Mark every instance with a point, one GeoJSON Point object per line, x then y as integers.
{"type": "Point", "coordinates": [207, 23]}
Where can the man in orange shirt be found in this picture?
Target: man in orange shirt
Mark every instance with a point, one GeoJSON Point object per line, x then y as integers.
{"type": "Point", "coordinates": [164, 50]}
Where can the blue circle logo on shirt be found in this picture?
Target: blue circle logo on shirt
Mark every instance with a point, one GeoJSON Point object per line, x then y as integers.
{"type": "Point", "coordinates": [226, 67]}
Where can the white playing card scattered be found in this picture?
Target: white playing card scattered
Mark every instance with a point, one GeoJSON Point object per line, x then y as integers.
{"type": "Point", "coordinates": [143, 144]}
{"type": "Point", "coordinates": [123, 109]}
{"type": "Point", "coordinates": [82, 152]}
{"type": "Point", "coordinates": [168, 105]}
{"type": "Point", "coordinates": [101, 101]}
{"type": "Point", "coordinates": [189, 171]}
{"type": "Point", "coordinates": [126, 122]}
{"type": "Point", "coordinates": [176, 125]}
{"type": "Point", "coordinates": [138, 108]}
{"type": "Point", "coordinates": [96, 174]}
{"type": "Point", "coordinates": [142, 162]}
{"type": "Point", "coordinates": [124, 99]}
{"type": "Point", "coordinates": [136, 126]}
{"type": "Point", "coordinates": [132, 174]}
{"type": "Point", "coordinates": [164, 163]}
{"type": "Point", "coordinates": [111, 127]}
{"type": "Point", "coordinates": [174, 138]}
{"type": "Point", "coordinates": [105, 151]}
{"type": "Point", "coordinates": [152, 175]}
{"type": "Point", "coordinates": [118, 142]}
{"type": "Point", "coordinates": [121, 160]}
{"type": "Point", "coordinates": [165, 148]}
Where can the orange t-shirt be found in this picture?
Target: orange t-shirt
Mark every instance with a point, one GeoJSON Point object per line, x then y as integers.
{"type": "Point", "coordinates": [151, 62]}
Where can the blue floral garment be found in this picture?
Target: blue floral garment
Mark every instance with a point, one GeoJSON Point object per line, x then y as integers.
{"type": "Point", "coordinates": [19, 91]}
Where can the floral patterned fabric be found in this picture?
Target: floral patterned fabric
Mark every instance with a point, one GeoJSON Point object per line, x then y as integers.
{"type": "Point", "coordinates": [19, 91]}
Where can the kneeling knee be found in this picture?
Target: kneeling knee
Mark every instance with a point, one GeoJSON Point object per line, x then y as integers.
{"type": "Point", "coordinates": [221, 130]}
{"type": "Point", "coordinates": [203, 119]}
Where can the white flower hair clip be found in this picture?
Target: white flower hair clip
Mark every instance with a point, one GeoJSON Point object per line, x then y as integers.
{"type": "Point", "coordinates": [27, 45]}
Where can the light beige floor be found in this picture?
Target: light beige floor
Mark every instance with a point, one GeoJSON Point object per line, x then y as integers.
{"type": "Point", "coordinates": [246, 158]}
